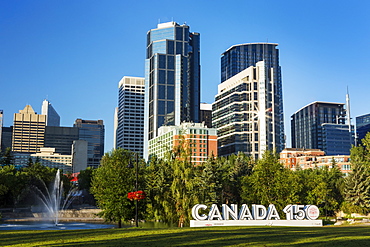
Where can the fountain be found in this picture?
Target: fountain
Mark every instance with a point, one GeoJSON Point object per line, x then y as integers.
{"type": "Point", "coordinates": [53, 201]}
{"type": "Point", "coordinates": [52, 198]}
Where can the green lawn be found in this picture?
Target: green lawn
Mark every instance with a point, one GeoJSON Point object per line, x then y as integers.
{"type": "Point", "coordinates": [214, 236]}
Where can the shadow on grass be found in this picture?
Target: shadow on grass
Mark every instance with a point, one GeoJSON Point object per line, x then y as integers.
{"type": "Point", "coordinates": [223, 236]}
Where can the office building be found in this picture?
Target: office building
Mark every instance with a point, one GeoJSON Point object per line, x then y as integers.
{"type": "Point", "coordinates": [79, 155]}
{"type": "Point", "coordinates": [129, 130]}
{"type": "Point", "coordinates": [337, 139]}
{"type": "Point", "coordinates": [50, 158]}
{"type": "Point", "coordinates": [92, 131]}
{"type": "Point", "coordinates": [206, 114]}
{"type": "Point", "coordinates": [52, 117]}
{"type": "Point", "coordinates": [172, 78]}
{"type": "Point", "coordinates": [28, 131]}
{"type": "Point", "coordinates": [301, 159]}
{"type": "Point", "coordinates": [248, 110]}
{"type": "Point", "coordinates": [362, 126]}
{"type": "Point", "coordinates": [60, 138]}
{"type": "Point", "coordinates": [200, 140]}
{"type": "Point", "coordinates": [6, 138]}
{"type": "Point", "coordinates": [310, 129]}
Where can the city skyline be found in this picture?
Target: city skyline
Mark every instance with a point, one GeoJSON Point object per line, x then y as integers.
{"type": "Point", "coordinates": [74, 53]}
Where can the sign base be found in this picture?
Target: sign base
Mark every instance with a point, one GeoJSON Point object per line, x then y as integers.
{"type": "Point", "coordinates": [304, 223]}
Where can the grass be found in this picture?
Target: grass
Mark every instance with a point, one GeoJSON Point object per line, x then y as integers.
{"type": "Point", "coordinates": [213, 236]}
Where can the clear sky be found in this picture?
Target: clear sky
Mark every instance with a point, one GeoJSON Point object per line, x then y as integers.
{"type": "Point", "coordinates": [74, 52]}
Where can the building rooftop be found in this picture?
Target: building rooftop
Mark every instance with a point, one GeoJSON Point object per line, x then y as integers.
{"type": "Point", "coordinates": [318, 102]}
{"type": "Point", "coordinates": [255, 43]}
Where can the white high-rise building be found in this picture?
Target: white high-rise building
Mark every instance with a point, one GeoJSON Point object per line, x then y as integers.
{"type": "Point", "coordinates": [52, 117]}
{"type": "Point", "coordinates": [243, 113]}
{"type": "Point", "coordinates": [129, 116]}
{"type": "Point", "coordinates": [248, 109]}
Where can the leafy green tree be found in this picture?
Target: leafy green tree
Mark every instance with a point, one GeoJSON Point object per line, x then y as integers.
{"type": "Point", "coordinates": [7, 157]}
{"type": "Point", "coordinates": [12, 186]}
{"type": "Point", "coordinates": [84, 178]}
{"type": "Point", "coordinates": [159, 177]}
{"type": "Point", "coordinates": [185, 185]}
{"type": "Point", "coordinates": [235, 168]}
{"type": "Point", "coordinates": [322, 187]}
{"type": "Point", "coordinates": [270, 183]}
{"type": "Point", "coordinates": [211, 179]}
{"type": "Point", "coordinates": [111, 183]}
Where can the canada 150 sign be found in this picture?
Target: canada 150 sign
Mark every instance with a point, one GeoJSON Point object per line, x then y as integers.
{"type": "Point", "coordinates": [296, 215]}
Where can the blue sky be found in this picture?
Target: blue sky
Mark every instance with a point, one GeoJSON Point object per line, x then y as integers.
{"type": "Point", "coordinates": [74, 52]}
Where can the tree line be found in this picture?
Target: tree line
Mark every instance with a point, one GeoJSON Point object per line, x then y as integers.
{"type": "Point", "coordinates": [173, 185]}
{"type": "Point", "coordinates": [17, 186]}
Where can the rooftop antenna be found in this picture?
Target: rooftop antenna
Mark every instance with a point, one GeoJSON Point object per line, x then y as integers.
{"type": "Point", "coordinates": [348, 113]}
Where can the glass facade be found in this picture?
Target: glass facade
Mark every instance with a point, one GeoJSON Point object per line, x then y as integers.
{"type": "Point", "coordinates": [337, 139]}
{"type": "Point", "coordinates": [52, 117]}
{"type": "Point", "coordinates": [362, 126]}
{"type": "Point", "coordinates": [60, 138]}
{"type": "Point", "coordinates": [307, 125]}
{"type": "Point", "coordinates": [172, 77]}
{"type": "Point", "coordinates": [248, 109]}
{"type": "Point", "coordinates": [92, 131]}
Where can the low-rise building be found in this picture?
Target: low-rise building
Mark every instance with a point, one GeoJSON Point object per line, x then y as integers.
{"type": "Point", "coordinates": [201, 141]}
{"type": "Point", "coordinates": [46, 157]}
{"type": "Point", "coordinates": [300, 158]}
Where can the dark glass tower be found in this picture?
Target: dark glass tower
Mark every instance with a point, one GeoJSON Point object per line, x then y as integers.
{"type": "Point", "coordinates": [248, 109]}
{"type": "Point", "coordinates": [239, 57]}
{"type": "Point", "coordinates": [322, 125]}
{"type": "Point", "coordinates": [362, 126]}
{"type": "Point", "coordinates": [172, 77]}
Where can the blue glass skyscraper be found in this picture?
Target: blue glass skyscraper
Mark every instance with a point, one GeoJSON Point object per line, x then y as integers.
{"type": "Point", "coordinates": [172, 77]}
{"type": "Point", "coordinates": [362, 126]}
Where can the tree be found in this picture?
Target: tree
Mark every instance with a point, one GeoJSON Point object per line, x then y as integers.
{"type": "Point", "coordinates": [111, 183]}
{"type": "Point", "coordinates": [357, 183]}
{"type": "Point", "coordinates": [270, 183]}
{"type": "Point", "coordinates": [235, 168]}
{"type": "Point", "coordinates": [174, 186]}
{"type": "Point", "coordinates": [321, 186]}
{"type": "Point", "coordinates": [7, 158]}
{"type": "Point", "coordinates": [30, 162]}
{"type": "Point", "coordinates": [11, 185]}
{"type": "Point", "coordinates": [84, 178]}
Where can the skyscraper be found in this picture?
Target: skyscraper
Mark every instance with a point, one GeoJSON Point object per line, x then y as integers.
{"type": "Point", "coordinates": [362, 126]}
{"type": "Point", "coordinates": [321, 125]}
{"type": "Point", "coordinates": [129, 123]}
{"type": "Point", "coordinates": [248, 109]}
{"type": "Point", "coordinates": [52, 117]}
{"type": "Point", "coordinates": [92, 131]}
{"type": "Point", "coordinates": [172, 78]}
{"type": "Point", "coordinates": [61, 138]}
{"type": "Point", "coordinates": [28, 131]}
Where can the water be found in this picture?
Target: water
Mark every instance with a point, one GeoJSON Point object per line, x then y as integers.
{"type": "Point", "coordinates": [52, 199]}
{"type": "Point", "coordinates": [28, 225]}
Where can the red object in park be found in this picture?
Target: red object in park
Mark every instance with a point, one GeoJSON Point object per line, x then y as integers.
{"type": "Point", "coordinates": [136, 195]}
